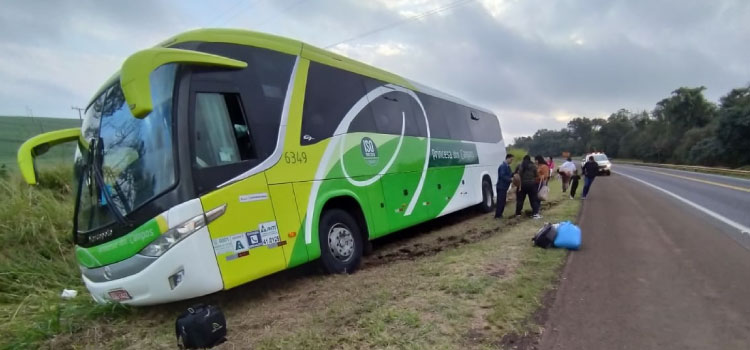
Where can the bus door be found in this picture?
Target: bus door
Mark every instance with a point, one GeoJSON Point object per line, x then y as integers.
{"type": "Point", "coordinates": [224, 150]}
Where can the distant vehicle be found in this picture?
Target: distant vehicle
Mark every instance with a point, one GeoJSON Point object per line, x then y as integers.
{"type": "Point", "coordinates": [222, 156]}
{"type": "Point", "coordinates": [605, 166]}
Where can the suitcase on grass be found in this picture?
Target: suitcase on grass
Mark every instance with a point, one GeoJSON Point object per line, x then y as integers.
{"type": "Point", "coordinates": [545, 237]}
{"type": "Point", "coordinates": [201, 327]}
{"type": "Point", "coordinates": [568, 236]}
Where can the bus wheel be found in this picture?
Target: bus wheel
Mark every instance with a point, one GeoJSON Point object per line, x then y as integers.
{"type": "Point", "coordinates": [486, 205]}
{"type": "Point", "coordinates": [340, 241]}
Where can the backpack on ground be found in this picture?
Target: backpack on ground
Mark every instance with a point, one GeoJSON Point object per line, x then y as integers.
{"type": "Point", "coordinates": [568, 236]}
{"type": "Point", "coordinates": [201, 327]}
{"type": "Point", "coordinates": [545, 237]}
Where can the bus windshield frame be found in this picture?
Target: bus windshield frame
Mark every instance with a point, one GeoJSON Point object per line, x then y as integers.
{"type": "Point", "coordinates": [136, 157]}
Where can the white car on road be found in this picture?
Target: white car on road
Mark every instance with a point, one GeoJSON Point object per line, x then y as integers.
{"type": "Point", "coordinates": [605, 166]}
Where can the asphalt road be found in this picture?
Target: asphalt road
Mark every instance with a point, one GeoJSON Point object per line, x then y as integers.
{"type": "Point", "coordinates": [655, 271]}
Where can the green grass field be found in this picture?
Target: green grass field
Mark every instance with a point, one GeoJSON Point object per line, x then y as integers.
{"type": "Point", "coordinates": [465, 281]}
{"type": "Point", "coordinates": [15, 130]}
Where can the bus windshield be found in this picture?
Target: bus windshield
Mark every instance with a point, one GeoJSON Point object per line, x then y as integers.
{"type": "Point", "coordinates": [134, 156]}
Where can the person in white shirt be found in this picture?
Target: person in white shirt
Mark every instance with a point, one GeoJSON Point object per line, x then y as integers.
{"type": "Point", "coordinates": [566, 170]}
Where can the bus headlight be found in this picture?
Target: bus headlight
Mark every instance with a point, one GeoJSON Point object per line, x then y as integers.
{"type": "Point", "coordinates": [173, 236]}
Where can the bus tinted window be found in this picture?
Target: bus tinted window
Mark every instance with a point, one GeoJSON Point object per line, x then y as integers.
{"type": "Point", "coordinates": [434, 108]}
{"type": "Point", "coordinates": [329, 94]}
{"type": "Point", "coordinates": [484, 127]}
{"type": "Point", "coordinates": [262, 85]}
{"type": "Point", "coordinates": [420, 126]}
{"type": "Point", "coordinates": [391, 108]}
{"type": "Point", "coordinates": [387, 110]}
{"type": "Point", "coordinates": [363, 122]}
{"type": "Point", "coordinates": [458, 117]}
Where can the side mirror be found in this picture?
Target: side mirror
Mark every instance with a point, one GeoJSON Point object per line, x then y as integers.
{"type": "Point", "coordinates": [39, 145]}
{"type": "Point", "coordinates": [136, 70]}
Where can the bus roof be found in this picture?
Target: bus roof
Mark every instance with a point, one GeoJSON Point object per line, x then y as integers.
{"type": "Point", "coordinates": [294, 47]}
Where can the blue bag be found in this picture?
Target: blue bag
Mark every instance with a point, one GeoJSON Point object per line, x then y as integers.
{"type": "Point", "coordinates": [568, 236]}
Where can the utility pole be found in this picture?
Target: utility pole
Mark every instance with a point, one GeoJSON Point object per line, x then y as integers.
{"type": "Point", "coordinates": [30, 113]}
{"type": "Point", "coordinates": [79, 109]}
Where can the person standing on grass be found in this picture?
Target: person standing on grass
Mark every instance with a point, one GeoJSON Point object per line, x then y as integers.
{"type": "Point", "coordinates": [566, 172]}
{"type": "Point", "coordinates": [574, 183]}
{"type": "Point", "coordinates": [528, 172]}
{"type": "Point", "coordinates": [551, 164]}
{"type": "Point", "coordinates": [504, 178]}
{"type": "Point", "coordinates": [543, 175]}
{"type": "Point", "coordinates": [590, 170]}
{"type": "Point", "coordinates": [542, 170]}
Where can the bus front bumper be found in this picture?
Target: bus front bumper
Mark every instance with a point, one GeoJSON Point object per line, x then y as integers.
{"type": "Point", "coordinates": [187, 270]}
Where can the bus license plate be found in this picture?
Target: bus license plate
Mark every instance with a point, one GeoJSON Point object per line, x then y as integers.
{"type": "Point", "coordinates": [120, 295]}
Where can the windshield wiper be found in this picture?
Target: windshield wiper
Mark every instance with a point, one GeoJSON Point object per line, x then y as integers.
{"type": "Point", "coordinates": [101, 185]}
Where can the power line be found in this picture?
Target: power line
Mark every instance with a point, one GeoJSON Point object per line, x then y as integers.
{"type": "Point", "coordinates": [79, 109]}
{"type": "Point", "coordinates": [249, 4]}
{"type": "Point", "coordinates": [30, 113]}
{"type": "Point", "coordinates": [289, 7]}
{"type": "Point", "coordinates": [285, 9]}
{"type": "Point", "coordinates": [428, 13]}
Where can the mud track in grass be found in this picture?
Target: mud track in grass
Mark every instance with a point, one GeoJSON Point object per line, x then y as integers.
{"type": "Point", "coordinates": [435, 236]}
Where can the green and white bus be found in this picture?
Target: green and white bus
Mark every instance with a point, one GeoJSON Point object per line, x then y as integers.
{"type": "Point", "coordinates": [222, 156]}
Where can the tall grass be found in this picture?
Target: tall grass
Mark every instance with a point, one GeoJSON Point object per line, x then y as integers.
{"type": "Point", "coordinates": [37, 262]}
{"type": "Point", "coordinates": [518, 153]}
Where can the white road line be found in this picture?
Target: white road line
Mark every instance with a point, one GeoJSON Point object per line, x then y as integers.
{"type": "Point", "coordinates": [715, 215]}
{"type": "Point", "coordinates": [687, 172]}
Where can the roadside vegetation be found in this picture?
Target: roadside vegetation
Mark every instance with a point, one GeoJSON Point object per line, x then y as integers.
{"type": "Point", "coordinates": [463, 281]}
{"type": "Point", "coordinates": [16, 130]}
{"type": "Point", "coordinates": [684, 128]}
{"type": "Point", "coordinates": [37, 262]}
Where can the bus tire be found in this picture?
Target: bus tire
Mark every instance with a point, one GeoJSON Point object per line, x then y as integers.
{"type": "Point", "coordinates": [486, 205]}
{"type": "Point", "coordinates": [341, 242]}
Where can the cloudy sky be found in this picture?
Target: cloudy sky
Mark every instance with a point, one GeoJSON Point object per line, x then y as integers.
{"type": "Point", "coordinates": [537, 63]}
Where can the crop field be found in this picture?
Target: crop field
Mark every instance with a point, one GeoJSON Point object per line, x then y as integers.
{"type": "Point", "coordinates": [15, 130]}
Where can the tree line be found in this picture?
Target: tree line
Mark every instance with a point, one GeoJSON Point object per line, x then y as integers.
{"type": "Point", "coordinates": [684, 128]}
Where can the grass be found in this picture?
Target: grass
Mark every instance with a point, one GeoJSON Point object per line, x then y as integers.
{"type": "Point", "coordinates": [469, 294]}
{"type": "Point", "coordinates": [518, 153]}
{"type": "Point", "coordinates": [36, 262]}
{"type": "Point", "coordinates": [15, 130]}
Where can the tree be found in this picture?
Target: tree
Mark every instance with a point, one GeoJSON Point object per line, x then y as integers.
{"type": "Point", "coordinates": [733, 130]}
{"type": "Point", "coordinates": [581, 129]}
{"type": "Point", "coordinates": [611, 132]}
{"type": "Point", "coordinates": [685, 109]}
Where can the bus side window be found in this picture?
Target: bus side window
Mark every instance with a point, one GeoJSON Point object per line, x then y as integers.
{"type": "Point", "coordinates": [330, 93]}
{"type": "Point", "coordinates": [221, 135]}
{"type": "Point", "coordinates": [484, 127]}
{"type": "Point", "coordinates": [458, 118]}
{"type": "Point", "coordinates": [434, 108]}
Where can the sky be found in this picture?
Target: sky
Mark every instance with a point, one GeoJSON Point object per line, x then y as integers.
{"type": "Point", "coordinates": [536, 63]}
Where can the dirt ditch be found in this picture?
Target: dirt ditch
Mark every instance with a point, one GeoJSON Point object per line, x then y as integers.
{"type": "Point", "coordinates": [419, 241]}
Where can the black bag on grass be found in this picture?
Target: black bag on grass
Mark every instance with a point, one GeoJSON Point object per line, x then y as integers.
{"type": "Point", "coordinates": [201, 327]}
{"type": "Point", "coordinates": [545, 237]}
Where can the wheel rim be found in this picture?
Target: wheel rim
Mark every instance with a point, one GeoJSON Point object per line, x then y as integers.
{"type": "Point", "coordinates": [341, 242]}
{"type": "Point", "coordinates": [487, 196]}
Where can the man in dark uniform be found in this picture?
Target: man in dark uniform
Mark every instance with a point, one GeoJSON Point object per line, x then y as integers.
{"type": "Point", "coordinates": [590, 170]}
{"type": "Point", "coordinates": [504, 178]}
